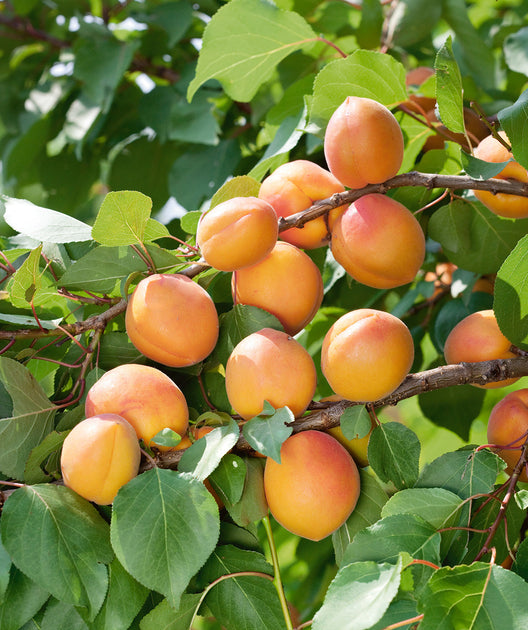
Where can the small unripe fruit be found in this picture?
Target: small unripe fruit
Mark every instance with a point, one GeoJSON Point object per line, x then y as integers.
{"type": "Point", "coordinates": [294, 187]}
{"type": "Point", "coordinates": [100, 455]}
{"type": "Point", "coordinates": [162, 312]}
{"type": "Point", "coordinates": [316, 486]}
{"type": "Point", "coordinates": [287, 284]}
{"type": "Point", "coordinates": [502, 204]}
{"type": "Point", "coordinates": [478, 338]}
{"type": "Point", "coordinates": [237, 233]}
{"type": "Point", "coordinates": [269, 365]}
{"type": "Point", "coordinates": [379, 242]}
{"type": "Point", "coordinates": [363, 143]}
{"type": "Point", "coordinates": [143, 395]}
{"type": "Point", "coordinates": [508, 426]}
{"type": "Point", "coordinates": [366, 354]}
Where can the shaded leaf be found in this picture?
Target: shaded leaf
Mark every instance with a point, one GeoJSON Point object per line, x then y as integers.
{"type": "Point", "coordinates": [394, 454]}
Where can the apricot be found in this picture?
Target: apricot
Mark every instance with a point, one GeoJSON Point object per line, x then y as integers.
{"type": "Point", "coordinates": [294, 187]}
{"type": "Point", "coordinates": [269, 365]}
{"type": "Point", "coordinates": [363, 143]}
{"type": "Point", "coordinates": [172, 320]}
{"type": "Point", "coordinates": [478, 338]}
{"type": "Point", "coordinates": [287, 284]}
{"type": "Point", "coordinates": [99, 455]}
{"type": "Point", "coordinates": [237, 233]}
{"type": "Point", "coordinates": [366, 354]}
{"type": "Point", "coordinates": [508, 427]}
{"type": "Point", "coordinates": [316, 486]}
{"type": "Point", "coordinates": [379, 242]}
{"type": "Point", "coordinates": [143, 395]}
{"type": "Point", "coordinates": [502, 204]}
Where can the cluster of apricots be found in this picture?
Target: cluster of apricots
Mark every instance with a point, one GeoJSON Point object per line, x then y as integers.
{"type": "Point", "coordinates": [365, 355]}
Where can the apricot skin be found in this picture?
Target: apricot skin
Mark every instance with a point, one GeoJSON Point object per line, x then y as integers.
{"type": "Point", "coordinates": [172, 320]}
{"type": "Point", "coordinates": [366, 354]}
{"type": "Point", "coordinates": [143, 395]}
{"type": "Point", "coordinates": [502, 204]}
{"type": "Point", "coordinates": [287, 284]}
{"type": "Point", "coordinates": [269, 365]}
{"type": "Point", "coordinates": [99, 455]}
{"type": "Point", "coordinates": [478, 338]}
{"type": "Point", "coordinates": [365, 244]}
{"type": "Point", "coordinates": [316, 486]}
{"type": "Point", "coordinates": [237, 233]}
{"type": "Point", "coordinates": [507, 426]}
{"type": "Point", "coordinates": [363, 143]}
{"type": "Point", "coordinates": [294, 187]}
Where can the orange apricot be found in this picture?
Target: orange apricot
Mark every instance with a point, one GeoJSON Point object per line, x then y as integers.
{"type": "Point", "coordinates": [478, 338]}
{"type": "Point", "coordinates": [363, 143]}
{"type": "Point", "coordinates": [237, 233]}
{"type": "Point", "coordinates": [172, 320]}
{"type": "Point", "coordinates": [357, 447]}
{"type": "Point", "coordinates": [287, 284]}
{"type": "Point", "coordinates": [143, 395]}
{"type": "Point", "coordinates": [269, 365]}
{"type": "Point", "coordinates": [502, 204]}
{"type": "Point", "coordinates": [379, 242]}
{"type": "Point", "coordinates": [508, 427]}
{"type": "Point", "coordinates": [99, 455]}
{"type": "Point", "coordinates": [294, 187]}
{"type": "Point", "coordinates": [366, 354]}
{"type": "Point", "coordinates": [316, 486]}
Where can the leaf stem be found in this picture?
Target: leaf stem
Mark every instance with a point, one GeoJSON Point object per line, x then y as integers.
{"type": "Point", "coordinates": [277, 579]}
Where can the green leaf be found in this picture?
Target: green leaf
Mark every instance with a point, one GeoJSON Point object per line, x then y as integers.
{"type": "Point", "coordinates": [23, 599]}
{"type": "Point", "coordinates": [240, 186]}
{"type": "Point", "coordinates": [176, 518]}
{"type": "Point", "coordinates": [244, 42]}
{"type": "Point", "coordinates": [436, 506]}
{"type": "Point", "coordinates": [30, 419]}
{"type": "Point", "coordinates": [371, 25]}
{"type": "Point", "coordinates": [166, 617]}
{"type": "Point", "coordinates": [29, 285]}
{"type": "Point", "coordinates": [202, 457]}
{"type": "Point", "coordinates": [449, 88]}
{"type": "Point", "coordinates": [249, 602]}
{"type": "Point", "coordinates": [464, 472]}
{"type": "Point", "coordinates": [472, 237]}
{"type": "Point", "coordinates": [266, 433]}
{"type": "Point", "coordinates": [475, 597]}
{"type": "Point", "coordinates": [394, 454]}
{"type": "Point", "coordinates": [61, 616]}
{"type": "Point", "coordinates": [43, 224]}
{"type": "Point", "coordinates": [515, 46]}
{"type": "Point", "coordinates": [355, 422]}
{"type": "Point", "coordinates": [5, 566]}
{"type": "Point", "coordinates": [36, 470]}
{"type": "Point", "coordinates": [358, 596]}
{"type": "Point", "coordinates": [102, 268]}
{"type": "Point", "coordinates": [514, 121]}
{"type": "Point", "coordinates": [367, 511]}
{"type": "Point", "coordinates": [412, 21]}
{"type": "Point", "coordinates": [479, 169]}
{"type": "Point", "coordinates": [123, 602]}
{"type": "Point", "coordinates": [383, 541]}
{"type": "Point", "coordinates": [229, 477]}
{"type": "Point", "coordinates": [511, 298]}
{"type": "Point", "coordinates": [363, 73]}
{"type": "Point", "coordinates": [46, 521]}
{"type": "Point", "coordinates": [252, 505]}
{"type": "Point", "coordinates": [520, 566]}
{"type": "Point", "coordinates": [166, 437]}
{"type": "Point", "coordinates": [122, 219]}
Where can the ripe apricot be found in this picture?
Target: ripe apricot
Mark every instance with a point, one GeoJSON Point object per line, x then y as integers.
{"type": "Point", "coordinates": [508, 426]}
{"type": "Point", "coordinates": [502, 204]}
{"type": "Point", "coordinates": [316, 486]}
{"type": "Point", "coordinates": [294, 187]}
{"type": "Point", "coordinates": [478, 338]}
{"type": "Point", "coordinates": [366, 354]}
{"type": "Point", "coordinates": [99, 455]}
{"type": "Point", "coordinates": [237, 233]}
{"type": "Point", "coordinates": [379, 242]}
{"type": "Point", "coordinates": [172, 320]}
{"type": "Point", "coordinates": [287, 284]}
{"type": "Point", "coordinates": [269, 365]}
{"type": "Point", "coordinates": [143, 395]}
{"type": "Point", "coordinates": [363, 143]}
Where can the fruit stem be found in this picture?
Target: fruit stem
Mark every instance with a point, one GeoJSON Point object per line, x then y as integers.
{"type": "Point", "coordinates": [277, 579]}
